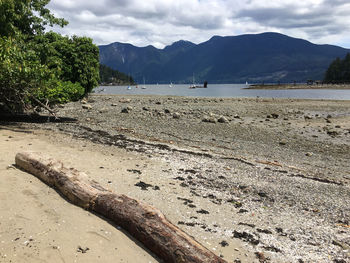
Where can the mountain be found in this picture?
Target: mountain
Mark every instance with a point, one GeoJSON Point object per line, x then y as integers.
{"type": "Point", "coordinates": [268, 57]}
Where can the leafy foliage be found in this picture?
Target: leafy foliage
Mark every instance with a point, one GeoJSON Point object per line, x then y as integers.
{"type": "Point", "coordinates": [58, 91]}
{"type": "Point", "coordinates": [109, 75]}
{"type": "Point", "coordinates": [338, 71]}
{"type": "Point", "coordinates": [26, 16]}
{"type": "Point", "coordinates": [74, 59]}
{"type": "Point", "coordinates": [20, 73]}
{"type": "Point", "coordinates": [39, 67]}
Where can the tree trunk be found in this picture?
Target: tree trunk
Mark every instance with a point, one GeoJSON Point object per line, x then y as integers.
{"type": "Point", "coordinates": [144, 222]}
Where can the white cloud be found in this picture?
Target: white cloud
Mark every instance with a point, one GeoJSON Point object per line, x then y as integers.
{"type": "Point", "coordinates": [161, 22]}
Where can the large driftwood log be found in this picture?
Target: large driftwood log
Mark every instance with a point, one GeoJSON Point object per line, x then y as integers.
{"type": "Point", "coordinates": [144, 222]}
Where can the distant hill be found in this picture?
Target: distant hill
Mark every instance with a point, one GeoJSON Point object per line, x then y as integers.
{"type": "Point", "coordinates": [268, 57]}
{"type": "Point", "coordinates": [111, 76]}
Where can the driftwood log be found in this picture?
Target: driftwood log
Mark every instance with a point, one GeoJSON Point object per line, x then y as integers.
{"type": "Point", "coordinates": [144, 222]}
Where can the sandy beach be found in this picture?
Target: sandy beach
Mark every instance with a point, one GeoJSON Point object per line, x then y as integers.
{"type": "Point", "coordinates": [253, 180]}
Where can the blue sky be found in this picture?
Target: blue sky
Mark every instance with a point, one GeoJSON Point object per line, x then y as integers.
{"type": "Point", "coordinates": [162, 22]}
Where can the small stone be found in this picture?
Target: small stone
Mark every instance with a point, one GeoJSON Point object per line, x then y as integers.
{"type": "Point", "coordinates": [87, 106]}
{"type": "Point", "coordinates": [332, 132]}
{"type": "Point", "coordinates": [309, 154]}
{"type": "Point", "coordinates": [114, 104]}
{"type": "Point", "coordinates": [282, 142]}
{"type": "Point", "coordinates": [202, 211]}
{"type": "Point", "coordinates": [166, 111]}
{"type": "Point", "coordinates": [82, 250]}
{"type": "Point", "coordinates": [223, 243]}
{"type": "Point", "coordinates": [223, 119]}
{"type": "Point", "coordinates": [176, 115]}
{"type": "Point", "coordinates": [274, 115]}
{"type": "Point", "coordinates": [126, 110]}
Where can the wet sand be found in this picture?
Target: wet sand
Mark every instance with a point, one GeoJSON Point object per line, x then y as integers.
{"type": "Point", "coordinates": [250, 179]}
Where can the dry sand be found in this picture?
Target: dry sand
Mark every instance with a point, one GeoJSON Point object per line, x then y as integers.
{"type": "Point", "coordinates": [268, 184]}
{"type": "Point", "coordinates": [38, 225]}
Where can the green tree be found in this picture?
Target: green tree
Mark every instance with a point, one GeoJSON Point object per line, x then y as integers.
{"type": "Point", "coordinates": [21, 73]}
{"type": "Point", "coordinates": [338, 71]}
{"type": "Point", "coordinates": [109, 75]}
{"type": "Point", "coordinates": [39, 67]}
{"type": "Point", "coordinates": [26, 16]}
{"type": "Point", "coordinates": [73, 59]}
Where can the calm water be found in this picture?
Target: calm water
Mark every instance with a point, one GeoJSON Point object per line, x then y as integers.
{"type": "Point", "coordinates": [224, 90]}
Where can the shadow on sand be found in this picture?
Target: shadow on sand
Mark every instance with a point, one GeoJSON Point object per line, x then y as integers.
{"type": "Point", "coordinates": [33, 118]}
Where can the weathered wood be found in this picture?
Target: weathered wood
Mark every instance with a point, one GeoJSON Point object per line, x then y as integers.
{"type": "Point", "coordinates": [144, 222]}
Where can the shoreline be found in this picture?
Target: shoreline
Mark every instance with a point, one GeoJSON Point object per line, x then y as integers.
{"type": "Point", "coordinates": [264, 175]}
{"type": "Point", "coordinates": [299, 86]}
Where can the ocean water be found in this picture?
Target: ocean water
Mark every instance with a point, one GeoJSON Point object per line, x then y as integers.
{"type": "Point", "coordinates": [224, 91]}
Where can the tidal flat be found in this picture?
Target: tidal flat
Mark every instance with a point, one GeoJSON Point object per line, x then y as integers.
{"type": "Point", "coordinates": [253, 180]}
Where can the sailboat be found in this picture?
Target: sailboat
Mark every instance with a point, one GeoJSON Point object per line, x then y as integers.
{"type": "Point", "coordinates": [193, 86]}
{"type": "Point", "coordinates": [170, 85]}
{"type": "Point", "coordinates": [144, 86]}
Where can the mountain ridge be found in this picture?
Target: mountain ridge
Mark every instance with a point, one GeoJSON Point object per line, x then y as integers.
{"type": "Point", "coordinates": [265, 57]}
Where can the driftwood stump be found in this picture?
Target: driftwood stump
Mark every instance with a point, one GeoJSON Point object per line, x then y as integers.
{"type": "Point", "coordinates": [144, 222]}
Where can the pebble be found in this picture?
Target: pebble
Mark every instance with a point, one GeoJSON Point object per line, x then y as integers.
{"type": "Point", "coordinates": [176, 115]}
{"type": "Point", "coordinates": [87, 106]}
{"type": "Point", "coordinates": [223, 119]}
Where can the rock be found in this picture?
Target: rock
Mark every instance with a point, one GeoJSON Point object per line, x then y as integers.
{"type": "Point", "coordinates": [282, 142]}
{"type": "Point", "coordinates": [265, 231]}
{"type": "Point", "coordinates": [332, 132]}
{"type": "Point", "coordinates": [308, 154]}
{"type": "Point", "coordinates": [87, 106]}
{"type": "Point", "coordinates": [245, 236]}
{"type": "Point", "coordinates": [82, 250]}
{"type": "Point", "coordinates": [124, 100]}
{"type": "Point", "coordinates": [274, 115]}
{"type": "Point", "coordinates": [212, 119]}
{"type": "Point", "coordinates": [84, 101]}
{"type": "Point", "coordinates": [103, 111]}
{"type": "Point", "coordinates": [158, 103]}
{"type": "Point", "coordinates": [143, 185]}
{"type": "Point", "coordinates": [176, 115]}
{"type": "Point", "coordinates": [145, 108]}
{"type": "Point", "coordinates": [236, 116]}
{"type": "Point", "coordinates": [114, 104]}
{"type": "Point", "coordinates": [223, 119]}
{"type": "Point", "coordinates": [223, 243]}
{"type": "Point", "coordinates": [126, 110]}
{"type": "Point", "coordinates": [307, 117]}
{"type": "Point", "coordinates": [166, 111]}
{"type": "Point", "coordinates": [262, 194]}
{"type": "Point", "coordinates": [202, 211]}
{"type": "Point", "coordinates": [135, 171]}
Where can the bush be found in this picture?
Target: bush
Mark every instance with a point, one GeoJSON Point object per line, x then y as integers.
{"type": "Point", "coordinates": [21, 73]}
{"type": "Point", "coordinates": [57, 91]}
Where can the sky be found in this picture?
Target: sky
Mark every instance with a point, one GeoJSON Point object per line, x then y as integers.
{"type": "Point", "coordinates": [162, 22]}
